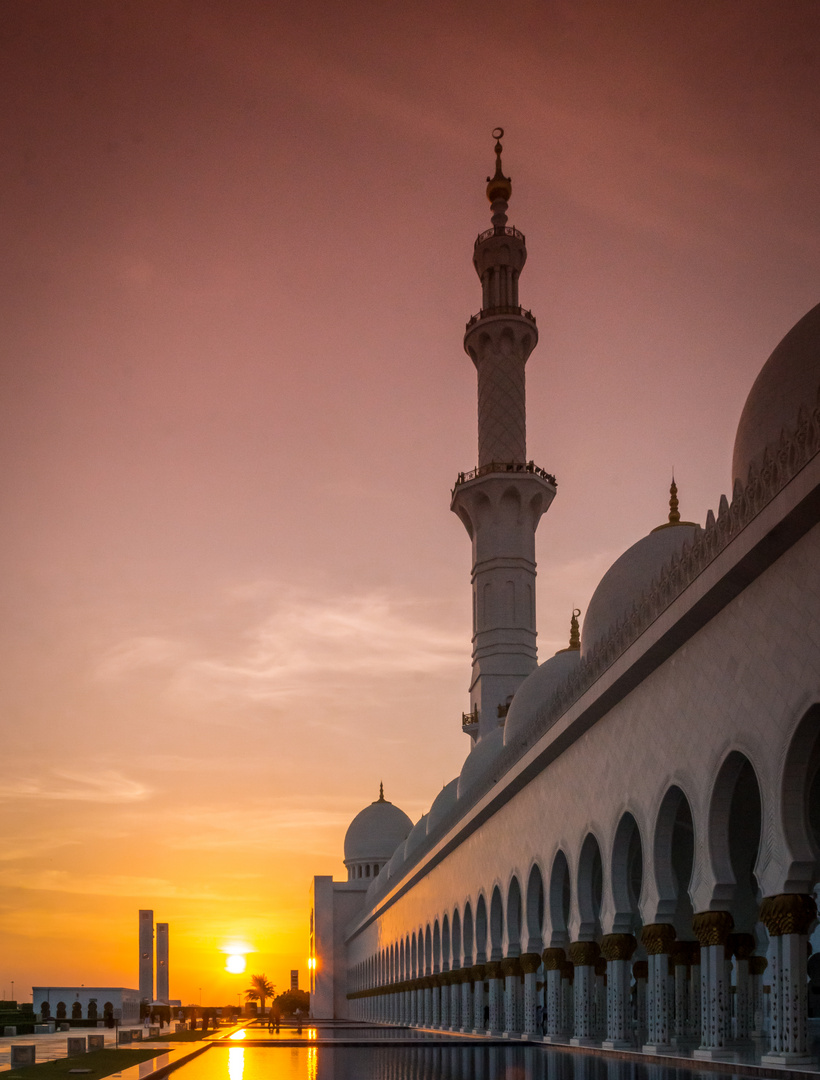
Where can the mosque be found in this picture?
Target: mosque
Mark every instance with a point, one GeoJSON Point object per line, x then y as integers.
{"type": "Point", "coordinates": [629, 856]}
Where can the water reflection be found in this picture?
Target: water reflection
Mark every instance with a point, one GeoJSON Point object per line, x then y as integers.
{"type": "Point", "coordinates": [421, 1062]}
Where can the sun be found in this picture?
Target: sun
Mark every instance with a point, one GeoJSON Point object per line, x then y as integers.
{"type": "Point", "coordinates": [235, 963]}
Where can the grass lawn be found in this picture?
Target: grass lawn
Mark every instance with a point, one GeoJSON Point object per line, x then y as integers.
{"type": "Point", "coordinates": [100, 1062]}
{"type": "Point", "coordinates": [185, 1036]}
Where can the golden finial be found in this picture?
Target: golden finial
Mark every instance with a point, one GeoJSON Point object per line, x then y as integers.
{"type": "Point", "coordinates": [498, 186]}
{"type": "Point", "coordinates": [381, 791]}
{"type": "Point", "coordinates": [574, 632]}
{"type": "Point", "coordinates": [674, 515]}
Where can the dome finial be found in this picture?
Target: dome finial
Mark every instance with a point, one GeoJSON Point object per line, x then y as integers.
{"type": "Point", "coordinates": [574, 632]}
{"type": "Point", "coordinates": [499, 187]}
{"type": "Point", "coordinates": [674, 513]}
{"type": "Point", "coordinates": [381, 791]}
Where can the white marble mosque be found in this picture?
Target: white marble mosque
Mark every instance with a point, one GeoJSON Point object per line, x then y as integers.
{"type": "Point", "coordinates": [630, 853]}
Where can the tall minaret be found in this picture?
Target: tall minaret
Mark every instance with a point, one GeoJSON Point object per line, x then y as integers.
{"type": "Point", "coordinates": [501, 502]}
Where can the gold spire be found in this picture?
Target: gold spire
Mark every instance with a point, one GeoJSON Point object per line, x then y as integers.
{"type": "Point", "coordinates": [381, 791]}
{"type": "Point", "coordinates": [498, 186]}
{"type": "Point", "coordinates": [674, 515]}
{"type": "Point", "coordinates": [574, 633]}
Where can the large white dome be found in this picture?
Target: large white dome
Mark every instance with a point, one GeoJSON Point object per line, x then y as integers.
{"type": "Point", "coordinates": [537, 689]}
{"type": "Point", "coordinates": [415, 836]}
{"type": "Point", "coordinates": [789, 378]}
{"type": "Point", "coordinates": [442, 804]}
{"type": "Point", "coordinates": [479, 760]}
{"type": "Point", "coordinates": [629, 577]}
{"type": "Point", "coordinates": [375, 832]}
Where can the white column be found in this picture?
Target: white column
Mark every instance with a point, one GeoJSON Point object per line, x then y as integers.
{"type": "Point", "coordinates": [553, 959]}
{"type": "Point", "coordinates": [478, 999]}
{"type": "Point", "coordinates": [788, 917]}
{"type": "Point", "coordinates": [640, 969]}
{"type": "Point", "coordinates": [444, 994]}
{"type": "Point", "coordinates": [617, 950]}
{"type": "Point", "coordinates": [584, 955]}
{"type": "Point", "coordinates": [530, 962]}
{"type": "Point", "coordinates": [435, 1008]}
{"type": "Point", "coordinates": [757, 965]}
{"type": "Point", "coordinates": [467, 1016]}
{"type": "Point", "coordinates": [496, 1001]}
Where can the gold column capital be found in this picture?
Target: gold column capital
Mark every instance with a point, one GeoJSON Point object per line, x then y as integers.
{"type": "Point", "coordinates": [553, 959]}
{"type": "Point", "coordinates": [712, 927]}
{"type": "Point", "coordinates": [658, 938]}
{"type": "Point", "coordinates": [618, 946]}
{"type": "Point", "coordinates": [788, 913]}
{"type": "Point", "coordinates": [584, 953]}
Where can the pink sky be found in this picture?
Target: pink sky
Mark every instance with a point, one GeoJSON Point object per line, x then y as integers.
{"type": "Point", "coordinates": [236, 270]}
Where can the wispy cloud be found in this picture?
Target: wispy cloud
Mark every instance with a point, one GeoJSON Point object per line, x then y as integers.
{"type": "Point", "coordinates": [82, 884]}
{"type": "Point", "coordinates": [106, 786]}
{"type": "Point", "coordinates": [304, 641]}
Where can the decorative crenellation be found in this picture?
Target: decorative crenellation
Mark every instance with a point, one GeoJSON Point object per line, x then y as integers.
{"type": "Point", "coordinates": [788, 913]}
{"type": "Point", "coordinates": [712, 927]}
{"type": "Point", "coordinates": [658, 938]}
{"type": "Point", "coordinates": [618, 946]}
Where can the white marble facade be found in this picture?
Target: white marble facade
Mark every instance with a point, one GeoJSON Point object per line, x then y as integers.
{"type": "Point", "coordinates": [632, 849]}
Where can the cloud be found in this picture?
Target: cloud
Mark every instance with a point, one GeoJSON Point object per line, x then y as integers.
{"type": "Point", "coordinates": [83, 884]}
{"type": "Point", "coordinates": [306, 644]}
{"type": "Point", "coordinates": [104, 786]}
{"type": "Point", "coordinates": [136, 654]}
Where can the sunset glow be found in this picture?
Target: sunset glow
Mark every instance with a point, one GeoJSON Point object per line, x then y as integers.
{"type": "Point", "coordinates": [237, 243]}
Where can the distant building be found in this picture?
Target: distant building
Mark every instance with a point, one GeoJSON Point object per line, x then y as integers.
{"type": "Point", "coordinates": [162, 963]}
{"type": "Point", "coordinates": [146, 964]}
{"type": "Point", "coordinates": [87, 1003]}
{"type": "Point", "coordinates": [294, 980]}
{"type": "Point", "coordinates": [630, 855]}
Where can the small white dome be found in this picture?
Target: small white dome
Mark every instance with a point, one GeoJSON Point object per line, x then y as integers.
{"type": "Point", "coordinates": [629, 577]}
{"type": "Point", "coordinates": [789, 378]}
{"type": "Point", "coordinates": [417, 834]}
{"type": "Point", "coordinates": [375, 832]}
{"type": "Point", "coordinates": [537, 689]}
{"type": "Point", "coordinates": [479, 760]}
{"type": "Point", "coordinates": [443, 802]}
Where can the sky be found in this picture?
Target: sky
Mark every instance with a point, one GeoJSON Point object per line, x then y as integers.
{"type": "Point", "coordinates": [236, 246]}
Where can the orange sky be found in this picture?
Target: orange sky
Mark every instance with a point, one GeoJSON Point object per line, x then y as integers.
{"type": "Point", "coordinates": [236, 270]}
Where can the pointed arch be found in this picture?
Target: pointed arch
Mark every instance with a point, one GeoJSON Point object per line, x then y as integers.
{"type": "Point", "coordinates": [560, 898]}
{"type": "Point", "coordinates": [626, 870]}
{"type": "Point", "coordinates": [535, 911]}
{"type": "Point", "coordinates": [513, 927]}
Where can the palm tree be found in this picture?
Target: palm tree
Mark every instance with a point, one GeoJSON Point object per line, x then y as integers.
{"type": "Point", "coordinates": [260, 989]}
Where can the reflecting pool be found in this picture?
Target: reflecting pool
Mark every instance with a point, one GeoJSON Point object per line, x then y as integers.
{"type": "Point", "coordinates": [432, 1062]}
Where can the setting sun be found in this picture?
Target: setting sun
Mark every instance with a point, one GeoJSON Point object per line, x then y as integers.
{"type": "Point", "coordinates": [235, 963]}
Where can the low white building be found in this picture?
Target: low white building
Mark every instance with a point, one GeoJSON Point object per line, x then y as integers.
{"type": "Point", "coordinates": [87, 1003]}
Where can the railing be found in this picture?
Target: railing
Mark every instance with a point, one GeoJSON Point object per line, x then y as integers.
{"type": "Point", "coordinates": [499, 230]}
{"type": "Point", "coordinates": [504, 467]}
{"type": "Point", "coordinates": [469, 719]}
{"type": "Point", "coordinates": [485, 313]}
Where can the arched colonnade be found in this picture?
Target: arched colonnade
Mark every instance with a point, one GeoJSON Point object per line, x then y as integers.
{"type": "Point", "coordinates": [528, 956]}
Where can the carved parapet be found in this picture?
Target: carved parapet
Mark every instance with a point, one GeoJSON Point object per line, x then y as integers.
{"type": "Point", "coordinates": [553, 959]}
{"type": "Point", "coordinates": [584, 953]}
{"type": "Point", "coordinates": [640, 969]}
{"type": "Point", "coordinates": [618, 946]}
{"type": "Point", "coordinates": [788, 913]}
{"type": "Point", "coordinates": [741, 945]}
{"type": "Point", "coordinates": [530, 962]}
{"type": "Point", "coordinates": [712, 927]}
{"type": "Point", "coordinates": [658, 938]}
{"type": "Point", "coordinates": [757, 965]}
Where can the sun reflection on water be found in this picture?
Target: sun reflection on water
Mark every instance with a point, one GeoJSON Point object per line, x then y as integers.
{"type": "Point", "coordinates": [312, 1061]}
{"type": "Point", "coordinates": [237, 1034]}
{"type": "Point", "coordinates": [236, 1062]}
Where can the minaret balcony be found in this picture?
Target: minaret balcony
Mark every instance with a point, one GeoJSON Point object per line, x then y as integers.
{"type": "Point", "coordinates": [503, 467]}
{"type": "Point", "coordinates": [469, 721]}
{"type": "Point", "coordinates": [499, 230]}
{"type": "Point", "coordinates": [490, 312]}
